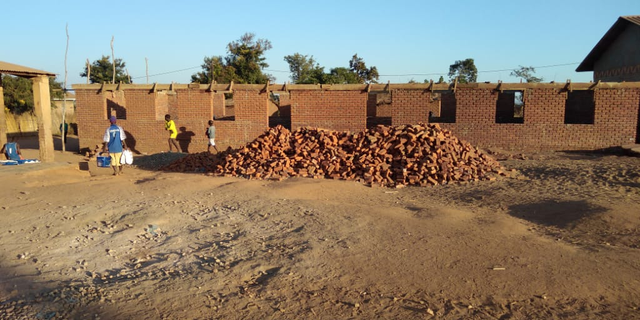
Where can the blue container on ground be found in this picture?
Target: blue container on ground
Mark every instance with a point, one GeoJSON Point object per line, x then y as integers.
{"type": "Point", "coordinates": [104, 162]}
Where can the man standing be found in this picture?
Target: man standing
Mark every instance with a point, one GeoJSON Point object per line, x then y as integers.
{"type": "Point", "coordinates": [114, 143]}
{"type": "Point", "coordinates": [173, 133]}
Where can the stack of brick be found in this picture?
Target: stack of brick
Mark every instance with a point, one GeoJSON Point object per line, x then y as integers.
{"type": "Point", "coordinates": [382, 156]}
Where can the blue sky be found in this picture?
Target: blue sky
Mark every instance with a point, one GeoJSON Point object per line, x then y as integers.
{"type": "Point", "coordinates": [404, 39]}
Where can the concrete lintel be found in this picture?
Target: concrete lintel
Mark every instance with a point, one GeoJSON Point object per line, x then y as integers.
{"type": "Point", "coordinates": [361, 87]}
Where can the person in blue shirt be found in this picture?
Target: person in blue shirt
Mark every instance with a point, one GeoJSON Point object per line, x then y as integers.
{"type": "Point", "coordinates": [114, 144]}
{"type": "Point", "coordinates": [11, 150]}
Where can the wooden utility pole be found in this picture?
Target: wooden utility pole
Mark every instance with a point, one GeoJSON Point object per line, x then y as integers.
{"type": "Point", "coordinates": [88, 72]}
{"type": "Point", "coordinates": [113, 61]}
{"type": "Point", "coordinates": [128, 76]}
{"type": "Point", "coordinates": [64, 94]}
{"type": "Point", "coordinates": [146, 64]}
{"type": "Point", "coordinates": [211, 71]}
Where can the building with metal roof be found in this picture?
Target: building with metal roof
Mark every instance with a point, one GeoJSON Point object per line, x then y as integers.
{"type": "Point", "coordinates": [616, 57]}
{"type": "Point", "coordinates": [22, 71]}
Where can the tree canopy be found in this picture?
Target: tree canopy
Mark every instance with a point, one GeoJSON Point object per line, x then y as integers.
{"type": "Point", "coordinates": [305, 69]}
{"type": "Point", "coordinates": [464, 70]}
{"type": "Point", "coordinates": [243, 64]}
{"type": "Point", "coordinates": [526, 73]}
{"type": "Point", "coordinates": [102, 71]}
{"type": "Point", "coordinates": [18, 93]}
{"type": "Point", "coordinates": [364, 74]}
{"type": "Point", "coordinates": [213, 68]}
{"type": "Point", "coordinates": [341, 75]}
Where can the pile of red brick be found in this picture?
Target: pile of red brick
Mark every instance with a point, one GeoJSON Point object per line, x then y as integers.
{"type": "Point", "coordinates": [381, 156]}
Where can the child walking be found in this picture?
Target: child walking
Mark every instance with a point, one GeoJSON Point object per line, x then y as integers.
{"type": "Point", "coordinates": [211, 134]}
{"type": "Point", "coordinates": [170, 126]}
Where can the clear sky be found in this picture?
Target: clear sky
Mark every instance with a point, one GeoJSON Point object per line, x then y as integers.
{"type": "Point", "coordinates": [404, 39]}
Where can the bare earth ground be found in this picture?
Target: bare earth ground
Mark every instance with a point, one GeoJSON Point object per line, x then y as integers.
{"type": "Point", "coordinates": [560, 240]}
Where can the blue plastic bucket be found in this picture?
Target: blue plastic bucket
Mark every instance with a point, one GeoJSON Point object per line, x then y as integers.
{"type": "Point", "coordinates": [104, 162]}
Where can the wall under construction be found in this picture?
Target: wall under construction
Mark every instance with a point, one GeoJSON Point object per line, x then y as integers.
{"type": "Point", "coordinates": [554, 116]}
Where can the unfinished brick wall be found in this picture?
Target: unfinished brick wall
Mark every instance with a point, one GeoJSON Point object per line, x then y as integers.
{"type": "Point", "coordinates": [611, 114]}
{"type": "Point", "coordinates": [251, 118]}
{"type": "Point", "coordinates": [412, 106]}
{"type": "Point", "coordinates": [191, 109]}
{"type": "Point", "coordinates": [337, 110]}
{"type": "Point", "coordinates": [543, 128]}
{"type": "Point", "coordinates": [372, 104]}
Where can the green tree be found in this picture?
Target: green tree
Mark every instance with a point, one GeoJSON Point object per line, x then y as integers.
{"type": "Point", "coordinates": [304, 69]}
{"type": "Point", "coordinates": [464, 70]}
{"type": "Point", "coordinates": [526, 73]}
{"type": "Point", "coordinates": [213, 68]}
{"type": "Point", "coordinates": [102, 71]}
{"type": "Point", "coordinates": [364, 74]}
{"type": "Point", "coordinates": [18, 93]}
{"type": "Point", "coordinates": [441, 80]}
{"type": "Point", "coordinates": [246, 57]}
{"type": "Point", "coordinates": [341, 75]}
{"type": "Point", "coordinates": [243, 64]}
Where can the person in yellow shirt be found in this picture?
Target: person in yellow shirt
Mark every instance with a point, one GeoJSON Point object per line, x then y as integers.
{"type": "Point", "coordinates": [173, 133]}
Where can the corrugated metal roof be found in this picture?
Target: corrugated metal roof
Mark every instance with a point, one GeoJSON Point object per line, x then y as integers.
{"type": "Point", "coordinates": [608, 38]}
{"type": "Point", "coordinates": [17, 70]}
{"type": "Point", "coordinates": [633, 19]}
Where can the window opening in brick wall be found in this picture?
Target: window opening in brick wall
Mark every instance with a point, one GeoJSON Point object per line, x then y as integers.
{"type": "Point", "coordinates": [279, 109]}
{"type": "Point", "coordinates": [379, 109]}
{"type": "Point", "coordinates": [510, 107]}
{"type": "Point", "coordinates": [447, 107]}
{"type": "Point", "coordinates": [115, 108]}
{"type": "Point", "coordinates": [579, 107]}
{"type": "Point", "coordinates": [229, 108]}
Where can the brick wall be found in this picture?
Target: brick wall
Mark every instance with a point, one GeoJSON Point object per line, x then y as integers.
{"type": "Point", "coordinates": [543, 128]}
{"type": "Point", "coordinates": [191, 109]}
{"type": "Point", "coordinates": [337, 110]}
{"type": "Point", "coordinates": [285, 105]}
{"type": "Point", "coordinates": [412, 106]}
{"type": "Point", "coordinates": [615, 116]}
{"type": "Point", "coordinates": [218, 105]}
{"type": "Point", "coordinates": [251, 118]}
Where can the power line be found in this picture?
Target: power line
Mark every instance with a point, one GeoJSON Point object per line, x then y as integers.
{"type": "Point", "coordinates": [168, 72]}
{"type": "Point", "coordinates": [382, 75]}
{"type": "Point", "coordinates": [484, 71]}
{"type": "Point", "coordinates": [191, 68]}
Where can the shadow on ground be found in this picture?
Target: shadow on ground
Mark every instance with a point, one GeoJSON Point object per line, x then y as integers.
{"type": "Point", "coordinates": [561, 214]}
{"type": "Point", "coordinates": [31, 142]}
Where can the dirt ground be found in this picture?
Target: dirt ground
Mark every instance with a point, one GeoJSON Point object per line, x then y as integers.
{"type": "Point", "coordinates": [559, 240]}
